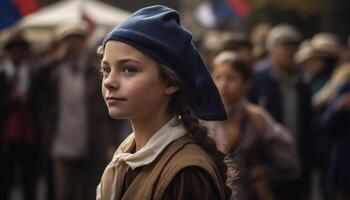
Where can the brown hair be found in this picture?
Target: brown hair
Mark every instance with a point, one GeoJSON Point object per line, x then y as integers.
{"type": "Point", "coordinates": [180, 106]}
{"type": "Point", "coordinates": [236, 63]}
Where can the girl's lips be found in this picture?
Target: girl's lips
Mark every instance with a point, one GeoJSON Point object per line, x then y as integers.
{"type": "Point", "coordinates": [115, 99]}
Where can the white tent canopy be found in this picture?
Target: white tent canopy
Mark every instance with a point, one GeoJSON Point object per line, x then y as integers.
{"type": "Point", "coordinates": [39, 26]}
{"type": "Point", "coordinates": [70, 10]}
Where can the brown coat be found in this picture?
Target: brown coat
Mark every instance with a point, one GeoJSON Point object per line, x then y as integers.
{"type": "Point", "coordinates": [263, 151]}
{"type": "Point", "coordinates": [163, 178]}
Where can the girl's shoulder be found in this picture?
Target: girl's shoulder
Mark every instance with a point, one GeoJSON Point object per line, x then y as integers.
{"type": "Point", "coordinates": [188, 158]}
{"type": "Point", "coordinates": [185, 152]}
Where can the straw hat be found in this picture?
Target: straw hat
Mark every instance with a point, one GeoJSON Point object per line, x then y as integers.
{"type": "Point", "coordinates": [326, 44]}
{"type": "Point", "coordinates": [64, 30]}
{"type": "Point", "coordinates": [321, 45]}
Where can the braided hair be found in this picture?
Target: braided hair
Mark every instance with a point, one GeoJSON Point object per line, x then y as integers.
{"type": "Point", "coordinates": [180, 105]}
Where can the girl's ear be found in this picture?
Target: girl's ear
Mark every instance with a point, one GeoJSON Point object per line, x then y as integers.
{"type": "Point", "coordinates": [171, 89]}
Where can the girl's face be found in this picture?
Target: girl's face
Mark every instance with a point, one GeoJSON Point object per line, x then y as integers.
{"type": "Point", "coordinates": [230, 84]}
{"type": "Point", "coordinates": [131, 86]}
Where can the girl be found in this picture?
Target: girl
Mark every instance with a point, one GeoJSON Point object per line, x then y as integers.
{"type": "Point", "coordinates": [263, 149]}
{"type": "Point", "coordinates": [154, 76]}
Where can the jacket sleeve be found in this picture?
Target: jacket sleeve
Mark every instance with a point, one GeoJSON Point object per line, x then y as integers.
{"type": "Point", "coordinates": [281, 149]}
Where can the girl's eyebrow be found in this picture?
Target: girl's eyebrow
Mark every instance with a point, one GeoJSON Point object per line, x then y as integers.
{"type": "Point", "coordinates": [121, 62]}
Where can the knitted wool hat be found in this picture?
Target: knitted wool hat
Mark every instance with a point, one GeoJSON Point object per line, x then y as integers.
{"type": "Point", "coordinates": [156, 31]}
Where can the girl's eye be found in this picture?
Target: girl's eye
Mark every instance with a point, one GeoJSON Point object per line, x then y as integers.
{"type": "Point", "coordinates": [128, 69]}
{"type": "Point", "coordinates": [104, 71]}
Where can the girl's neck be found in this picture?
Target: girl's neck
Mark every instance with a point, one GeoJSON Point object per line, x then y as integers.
{"type": "Point", "coordinates": [146, 126]}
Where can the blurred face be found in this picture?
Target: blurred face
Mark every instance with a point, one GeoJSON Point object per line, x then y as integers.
{"type": "Point", "coordinates": [313, 66]}
{"type": "Point", "coordinates": [74, 46]}
{"type": "Point", "coordinates": [282, 55]}
{"type": "Point", "coordinates": [131, 86]}
{"type": "Point", "coordinates": [230, 84]}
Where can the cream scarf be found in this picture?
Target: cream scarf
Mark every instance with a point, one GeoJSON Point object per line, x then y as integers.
{"type": "Point", "coordinates": [106, 190]}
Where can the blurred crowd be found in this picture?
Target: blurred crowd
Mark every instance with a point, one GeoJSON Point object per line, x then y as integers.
{"type": "Point", "coordinates": [288, 106]}
{"type": "Point", "coordinates": [56, 134]}
{"type": "Point", "coordinates": [287, 100]}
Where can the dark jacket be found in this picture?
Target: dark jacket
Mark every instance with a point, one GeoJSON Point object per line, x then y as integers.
{"type": "Point", "coordinates": [8, 105]}
{"type": "Point", "coordinates": [265, 92]}
{"type": "Point", "coordinates": [337, 125]}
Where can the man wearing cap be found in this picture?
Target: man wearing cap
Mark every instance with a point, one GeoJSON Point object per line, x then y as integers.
{"type": "Point", "coordinates": [278, 87]}
{"type": "Point", "coordinates": [318, 58]}
{"type": "Point", "coordinates": [75, 115]}
{"type": "Point", "coordinates": [63, 94]}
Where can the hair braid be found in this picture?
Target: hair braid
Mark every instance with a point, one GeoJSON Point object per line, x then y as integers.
{"type": "Point", "coordinates": [180, 105]}
{"type": "Point", "coordinates": [199, 134]}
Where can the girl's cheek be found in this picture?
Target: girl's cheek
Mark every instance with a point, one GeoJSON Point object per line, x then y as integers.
{"type": "Point", "coordinates": [135, 89]}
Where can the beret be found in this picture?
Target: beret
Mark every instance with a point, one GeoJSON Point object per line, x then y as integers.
{"type": "Point", "coordinates": [156, 31]}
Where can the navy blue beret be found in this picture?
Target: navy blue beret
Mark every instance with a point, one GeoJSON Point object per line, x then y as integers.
{"type": "Point", "coordinates": [156, 31]}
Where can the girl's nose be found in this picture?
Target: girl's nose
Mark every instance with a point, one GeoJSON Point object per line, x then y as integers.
{"type": "Point", "coordinates": [111, 82]}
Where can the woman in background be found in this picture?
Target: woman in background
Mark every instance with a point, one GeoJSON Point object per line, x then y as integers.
{"type": "Point", "coordinates": [260, 148]}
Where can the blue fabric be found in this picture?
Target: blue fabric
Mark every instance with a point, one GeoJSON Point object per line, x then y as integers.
{"type": "Point", "coordinates": [9, 14]}
{"type": "Point", "coordinates": [337, 125]}
{"type": "Point", "coordinates": [157, 32]}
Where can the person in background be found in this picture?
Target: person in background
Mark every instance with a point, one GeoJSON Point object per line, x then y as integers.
{"type": "Point", "coordinates": [238, 43]}
{"type": "Point", "coordinates": [214, 42]}
{"type": "Point", "coordinates": [258, 38]}
{"type": "Point", "coordinates": [334, 96]}
{"type": "Point", "coordinates": [261, 149]}
{"type": "Point", "coordinates": [19, 133]}
{"type": "Point", "coordinates": [209, 45]}
{"type": "Point", "coordinates": [317, 59]}
{"type": "Point", "coordinates": [74, 120]}
{"type": "Point", "coordinates": [336, 121]}
{"type": "Point", "coordinates": [278, 87]}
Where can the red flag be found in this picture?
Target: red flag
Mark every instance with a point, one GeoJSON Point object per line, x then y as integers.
{"type": "Point", "coordinates": [26, 6]}
{"type": "Point", "coordinates": [241, 7]}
